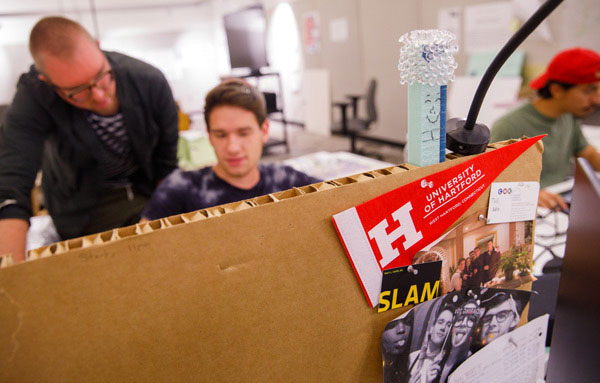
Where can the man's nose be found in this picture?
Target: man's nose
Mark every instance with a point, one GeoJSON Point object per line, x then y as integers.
{"type": "Point", "coordinates": [233, 144]}
{"type": "Point", "coordinates": [98, 93]}
{"type": "Point", "coordinates": [494, 321]}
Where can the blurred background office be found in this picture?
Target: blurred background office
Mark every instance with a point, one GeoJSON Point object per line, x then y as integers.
{"type": "Point", "coordinates": [323, 50]}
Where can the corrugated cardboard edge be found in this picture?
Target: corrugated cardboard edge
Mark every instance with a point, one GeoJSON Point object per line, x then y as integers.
{"type": "Point", "coordinates": [216, 211]}
{"type": "Point", "coordinates": [264, 293]}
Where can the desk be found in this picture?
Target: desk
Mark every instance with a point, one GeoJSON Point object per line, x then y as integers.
{"type": "Point", "coordinates": [329, 166]}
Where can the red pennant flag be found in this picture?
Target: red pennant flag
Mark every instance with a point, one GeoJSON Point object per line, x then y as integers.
{"type": "Point", "coordinates": [387, 231]}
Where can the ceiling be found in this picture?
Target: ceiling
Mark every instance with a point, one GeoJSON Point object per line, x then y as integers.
{"type": "Point", "coordinates": [38, 7]}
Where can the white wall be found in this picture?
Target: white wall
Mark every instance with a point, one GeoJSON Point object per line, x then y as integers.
{"type": "Point", "coordinates": [188, 43]}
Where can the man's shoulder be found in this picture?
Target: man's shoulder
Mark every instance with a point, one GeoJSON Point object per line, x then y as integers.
{"type": "Point", "coordinates": [507, 126]}
{"type": "Point", "coordinates": [517, 114]}
{"type": "Point", "coordinates": [29, 82]}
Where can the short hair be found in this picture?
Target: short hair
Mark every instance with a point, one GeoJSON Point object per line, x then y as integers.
{"type": "Point", "coordinates": [544, 92]}
{"type": "Point", "coordinates": [236, 93]}
{"type": "Point", "coordinates": [499, 298]}
{"type": "Point", "coordinates": [55, 36]}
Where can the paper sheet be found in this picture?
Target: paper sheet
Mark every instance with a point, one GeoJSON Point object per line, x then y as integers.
{"type": "Point", "coordinates": [516, 357]}
{"type": "Point", "coordinates": [338, 30]}
{"type": "Point", "coordinates": [449, 20]}
{"type": "Point", "coordinates": [500, 98]}
{"type": "Point", "coordinates": [513, 201]}
{"type": "Point", "coordinates": [480, 61]}
{"type": "Point", "coordinates": [487, 26]}
{"type": "Point", "coordinates": [524, 9]}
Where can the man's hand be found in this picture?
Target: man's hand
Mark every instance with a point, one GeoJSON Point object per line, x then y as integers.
{"type": "Point", "coordinates": [552, 201]}
{"type": "Point", "coordinates": [13, 236]}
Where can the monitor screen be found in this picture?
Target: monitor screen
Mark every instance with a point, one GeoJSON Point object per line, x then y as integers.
{"type": "Point", "coordinates": [246, 38]}
{"type": "Point", "coordinates": [575, 338]}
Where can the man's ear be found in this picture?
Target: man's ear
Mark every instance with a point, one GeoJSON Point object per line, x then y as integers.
{"type": "Point", "coordinates": [43, 78]}
{"type": "Point", "coordinates": [265, 131]}
{"type": "Point", "coordinates": [556, 90]}
{"type": "Point", "coordinates": [515, 322]}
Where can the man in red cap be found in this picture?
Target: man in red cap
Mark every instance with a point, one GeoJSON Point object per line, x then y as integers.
{"type": "Point", "coordinates": [567, 91]}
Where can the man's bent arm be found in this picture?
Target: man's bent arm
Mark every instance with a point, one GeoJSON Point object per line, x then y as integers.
{"type": "Point", "coordinates": [13, 236]}
{"type": "Point", "coordinates": [592, 155]}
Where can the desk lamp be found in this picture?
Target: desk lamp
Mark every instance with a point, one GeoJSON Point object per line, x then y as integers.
{"type": "Point", "coordinates": [466, 136]}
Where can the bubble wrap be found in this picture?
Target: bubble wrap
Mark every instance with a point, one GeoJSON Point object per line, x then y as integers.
{"type": "Point", "coordinates": [427, 57]}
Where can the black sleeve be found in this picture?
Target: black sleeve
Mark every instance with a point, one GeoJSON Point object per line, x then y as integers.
{"type": "Point", "coordinates": [164, 158]}
{"type": "Point", "coordinates": [22, 137]}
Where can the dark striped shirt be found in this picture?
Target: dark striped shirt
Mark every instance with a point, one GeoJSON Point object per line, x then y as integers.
{"type": "Point", "coordinates": [116, 157]}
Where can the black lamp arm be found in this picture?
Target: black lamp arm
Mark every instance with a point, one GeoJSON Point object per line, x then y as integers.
{"type": "Point", "coordinates": [507, 50]}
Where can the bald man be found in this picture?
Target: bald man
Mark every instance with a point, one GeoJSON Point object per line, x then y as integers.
{"type": "Point", "coordinates": [102, 126]}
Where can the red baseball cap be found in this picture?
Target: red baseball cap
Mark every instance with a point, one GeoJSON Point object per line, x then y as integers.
{"type": "Point", "coordinates": [571, 66]}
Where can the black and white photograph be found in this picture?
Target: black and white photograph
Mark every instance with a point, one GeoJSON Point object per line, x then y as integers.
{"type": "Point", "coordinates": [426, 344]}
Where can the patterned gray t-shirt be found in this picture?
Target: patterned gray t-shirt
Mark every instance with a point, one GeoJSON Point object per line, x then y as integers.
{"type": "Point", "coordinates": [186, 191]}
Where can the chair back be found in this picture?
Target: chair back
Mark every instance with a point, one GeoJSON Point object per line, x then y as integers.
{"type": "Point", "coordinates": [3, 110]}
{"type": "Point", "coordinates": [370, 101]}
{"type": "Point", "coordinates": [270, 102]}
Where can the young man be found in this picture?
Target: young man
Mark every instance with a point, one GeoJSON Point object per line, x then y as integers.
{"type": "Point", "coordinates": [477, 268]}
{"type": "Point", "coordinates": [500, 317]}
{"type": "Point", "coordinates": [569, 89]}
{"type": "Point", "coordinates": [490, 261]}
{"type": "Point", "coordinates": [101, 125]}
{"type": "Point", "coordinates": [237, 125]}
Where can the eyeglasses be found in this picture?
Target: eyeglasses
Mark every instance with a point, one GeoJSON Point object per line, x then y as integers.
{"type": "Point", "coordinates": [83, 93]}
{"type": "Point", "coordinates": [500, 316]}
{"type": "Point", "coordinates": [470, 319]}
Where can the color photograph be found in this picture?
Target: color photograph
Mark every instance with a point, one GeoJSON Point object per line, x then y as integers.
{"type": "Point", "coordinates": [475, 254]}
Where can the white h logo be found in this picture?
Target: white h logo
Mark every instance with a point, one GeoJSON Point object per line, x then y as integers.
{"type": "Point", "coordinates": [406, 229]}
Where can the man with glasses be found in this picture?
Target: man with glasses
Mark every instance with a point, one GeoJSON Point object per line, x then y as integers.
{"type": "Point", "coordinates": [500, 317]}
{"type": "Point", "coordinates": [102, 126]}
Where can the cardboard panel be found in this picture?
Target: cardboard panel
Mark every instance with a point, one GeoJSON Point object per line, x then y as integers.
{"type": "Point", "coordinates": [255, 291]}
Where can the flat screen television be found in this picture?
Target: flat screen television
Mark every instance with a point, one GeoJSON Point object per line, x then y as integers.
{"type": "Point", "coordinates": [246, 38]}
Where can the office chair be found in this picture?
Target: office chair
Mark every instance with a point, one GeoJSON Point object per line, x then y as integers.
{"type": "Point", "coordinates": [348, 126]}
{"type": "Point", "coordinates": [272, 107]}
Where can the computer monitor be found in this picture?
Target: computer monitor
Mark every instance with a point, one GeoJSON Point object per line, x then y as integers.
{"type": "Point", "coordinates": [576, 335]}
{"type": "Point", "coordinates": [246, 38]}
